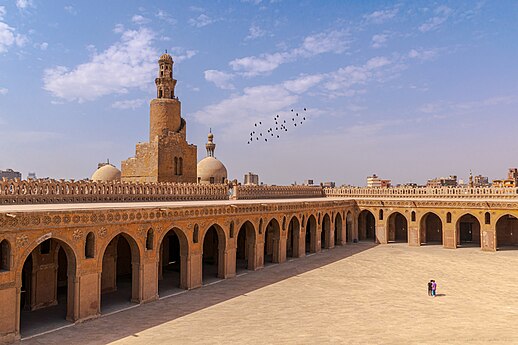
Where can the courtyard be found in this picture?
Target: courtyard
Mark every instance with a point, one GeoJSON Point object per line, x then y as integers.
{"type": "Point", "coordinates": [356, 294]}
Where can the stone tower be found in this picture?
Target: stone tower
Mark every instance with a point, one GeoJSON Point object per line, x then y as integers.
{"type": "Point", "coordinates": [167, 157]}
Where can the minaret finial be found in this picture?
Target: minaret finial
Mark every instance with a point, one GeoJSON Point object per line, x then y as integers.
{"type": "Point", "coordinates": [210, 146]}
{"type": "Point", "coordinates": [166, 51]}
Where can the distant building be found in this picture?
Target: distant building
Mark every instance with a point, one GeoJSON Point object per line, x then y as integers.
{"type": "Point", "coordinates": [308, 183]}
{"type": "Point", "coordinates": [511, 180]}
{"type": "Point", "coordinates": [375, 182]}
{"type": "Point", "coordinates": [31, 176]}
{"type": "Point", "coordinates": [10, 174]}
{"type": "Point", "coordinates": [450, 181]}
{"type": "Point", "coordinates": [480, 181]}
{"type": "Point", "coordinates": [408, 185]}
{"type": "Point", "coordinates": [328, 184]}
{"type": "Point", "coordinates": [251, 178]}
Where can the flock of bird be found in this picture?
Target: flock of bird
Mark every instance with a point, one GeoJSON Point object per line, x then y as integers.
{"type": "Point", "coordinates": [275, 131]}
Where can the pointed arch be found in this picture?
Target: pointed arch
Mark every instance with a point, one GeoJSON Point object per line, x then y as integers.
{"type": "Point", "coordinates": [467, 230]}
{"type": "Point", "coordinates": [507, 232]}
{"type": "Point", "coordinates": [246, 257]}
{"type": "Point", "coordinates": [338, 229]}
{"type": "Point", "coordinates": [311, 234]}
{"type": "Point", "coordinates": [214, 243]}
{"type": "Point", "coordinates": [325, 235]}
{"type": "Point", "coordinates": [397, 227]}
{"type": "Point", "coordinates": [366, 226]}
{"type": "Point", "coordinates": [431, 229]}
{"type": "Point", "coordinates": [272, 248]}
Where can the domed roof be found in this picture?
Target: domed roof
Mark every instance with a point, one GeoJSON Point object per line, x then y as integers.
{"type": "Point", "coordinates": [106, 173]}
{"type": "Point", "coordinates": [166, 57]}
{"type": "Point", "coordinates": [211, 167]}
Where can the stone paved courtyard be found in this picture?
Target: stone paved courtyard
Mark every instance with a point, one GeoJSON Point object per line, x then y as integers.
{"type": "Point", "coordinates": [357, 294]}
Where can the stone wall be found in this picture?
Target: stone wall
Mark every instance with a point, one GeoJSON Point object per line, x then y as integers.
{"type": "Point", "coordinates": [65, 192]}
{"type": "Point", "coordinates": [423, 192]}
{"type": "Point", "coordinates": [249, 192]}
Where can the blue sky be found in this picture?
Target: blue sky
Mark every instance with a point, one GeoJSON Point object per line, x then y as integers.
{"type": "Point", "coordinates": [408, 90]}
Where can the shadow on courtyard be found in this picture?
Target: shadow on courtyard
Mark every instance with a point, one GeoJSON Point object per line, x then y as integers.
{"type": "Point", "coordinates": [130, 322]}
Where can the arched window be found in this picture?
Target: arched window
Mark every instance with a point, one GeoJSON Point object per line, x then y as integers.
{"type": "Point", "coordinates": [413, 216]}
{"type": "Point", "coordinates": [261, 226]}
{"type": "Point", "coordinates": [159, 93]}
{"type": "Point", "coordinates": [232, 229]}
{"type": "Point", "coordinates": [381, 214]}
{"type": "Point", "coordinates": [172, 95]}
{"type": "Point", "coordinates": [180, 166]}
{"type": "Point", "coordinates": [90, 245]}
{"type": "Point", "coordinates": [5, 256]}
{"type": "Point", "coordinates": [175, 165]}
{"type": "Point", "coordinates": [195, 233]}
{"type": "Point", "coordinates": [150, 239]}
{"type": "Point", "coordinates": [211, 180]}
{"type": "Point", "coordinates": [487, 218]}
{"type": "Point", "coordinates": [448, 217]}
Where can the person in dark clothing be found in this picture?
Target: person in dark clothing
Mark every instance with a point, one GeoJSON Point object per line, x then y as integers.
{"type": "Point", "coordinates": [430, 288]}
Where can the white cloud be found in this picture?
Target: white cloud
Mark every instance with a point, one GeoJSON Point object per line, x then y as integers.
{"type": "Point", "coordinates": [422, 54]}
{"type": "Point", "coordinates": [201, 21]}
{"type": "Point", "coordinates": [442, 13]}
{"type": "Point", "coordinates": [255, 103]}
{"type": "Point", "coordinates": [303, 84]}
{"type": "Point", "coordinates": [341, 81]}
{"type": "Point", "coordinates": [42, 46]}
{"type": "Point", "coordinates": [125, 65]}
{"type": "Point", "coordinates": [129, 104]}
{"type": "Point", "coordinates": [180, 54]}
{"type": "Point", "coordinates": [379, 40]}
{"type": "Point", "coordinates": [255, 32]}
{"type": "Point", "coordinates": [70, 9]}
{"type": "Point", "coordinates": [163, 15]}
{"type": "Point", "coordinates": [8, 37]}
{"type": "Point", "coordinates": [220, 79]}
{"type": "Point", "coordinates": [3, 91]}
{"type": "Point", "coordinates": [139, 20]}
{"type": "Point", "coordinates": [325, 42]}
{"type": "Point", "coordinates": [265, 63]}
{"type": "Point", "coordinates": [23, 4]}
{"type": "Point", "coordinates": [381, 16]}
{"type": "Point", "coordinates": [118, 29]}
{"type": "Point", "coordinates": [328, 42]}
{"type": "Point", "coordinates": [2, 12]}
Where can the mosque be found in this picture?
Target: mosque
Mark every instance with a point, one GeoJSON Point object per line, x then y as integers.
{"type": "Point", "coordinates": [68, 256]}
{"type": "Point", "coordinates": [167, 157]}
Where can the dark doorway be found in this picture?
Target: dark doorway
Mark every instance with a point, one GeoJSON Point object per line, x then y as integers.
{"type": "Point", "coordinates": [397, 228]}
{"type": "Point", "coordinates": [311, 235]}
{"type": "Point", "coordinates": [366, 226]}
{"type": "Point", "coordinates": [170, 265]}
{"type": "Point", "coordinates": [47, 290]}
{"type": "Point", "coordinates": [468, 231]}
{"type": "Point", "coordinates": [431, 229]}
{"type": "Point", "coordinates": [245, 251]}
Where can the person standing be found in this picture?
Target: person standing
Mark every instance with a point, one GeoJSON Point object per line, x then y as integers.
{"type": "Point", "coordinates": [434, 288]}
{"type": "Point", "coordinates": [430, 288]}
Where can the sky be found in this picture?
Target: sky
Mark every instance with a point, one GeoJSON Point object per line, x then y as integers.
{"type": "Point", "coordinates": [409, 90]}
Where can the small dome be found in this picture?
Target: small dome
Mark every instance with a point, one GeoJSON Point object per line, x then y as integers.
{"type": "Point", "coordinates": [106, 173]}
{"type": "Point", "coordinates": [166, 57]}
{"type": "Point", "coordinates": [211, 170]}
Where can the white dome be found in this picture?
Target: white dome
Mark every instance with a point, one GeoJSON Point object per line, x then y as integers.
{"type": "Point", "coordinates": [106, 173]}
{"type": "Point", "coordinates": [211, 170]}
